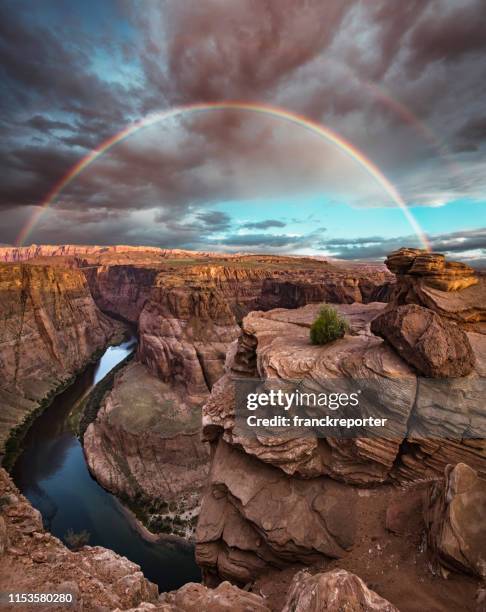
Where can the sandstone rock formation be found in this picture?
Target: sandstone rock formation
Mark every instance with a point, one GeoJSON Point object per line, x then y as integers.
{"type": "Point", "coordinates": [51, 329]}
{"type": "Point", "coordinates": [34, 560]}
{"type": "Point", "coordinates": [434, 346]}
{"type": "Point", "coordinates": [121, 290]}
{"type": "Point", "coordinates": [333, 591]}
{"type": "Point", "coordinates": [455, 516]}
{"type": "Point", "coordinates": [225, 598]}
{"type": "Point", "coordinates": [247, 523]}
{"type": "Point", "coordinates": [277, 344]}
{"type": "Point", "coordinates": [432, 269]}
{"type": "Point", "coordinates": [451, 289]}
{"type": "Point", "coordinates": [185, 329]}
{"type": "Point", "coordinates": [254, 516]}
{"type": "Point", "coordinates": [145, 446]}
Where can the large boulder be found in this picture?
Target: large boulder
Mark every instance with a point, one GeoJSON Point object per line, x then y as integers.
{"type": "Point", "coordinates": [454, 514]}
{"type": "Point", "coordinates": [333, 591]}
{"type": "Point", "coordinates": [226, 597]}
{"type": "Point", "coordinates": [434, 346]}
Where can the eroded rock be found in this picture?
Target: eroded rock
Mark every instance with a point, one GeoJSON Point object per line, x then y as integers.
{"type": "Point", "coordinates": [51, 329]}
{"type": "Point", "coordinates": [333, 591]}
{"type": "Point", "coordinates": [455, 519]}
{"type": "Point", "coordinates": [434, 346]}
{"type": "Point", "coordinates": [145, 445]}
{"type": "Point", "coordinates": [225, 598]}
{"type": "Point", "coordinates": [432, 268]}
{"type": "Point", "coordinates": [451, 289]}
{"type": "Point", "coordinates": [97, 577]}
{"type": "Point", "coordinates": [253, 515]}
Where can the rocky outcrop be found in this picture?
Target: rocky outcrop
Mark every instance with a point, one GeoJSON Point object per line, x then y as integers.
{"type": "Point", "coordinates": [264, 489]}
{"type": "Point", "coordinates": [185, 329]}
{"type": "Point", "coordinates": [225, 598]}
{"type": "Point", "coordinates": [434, 346]}
{"type": "Point", "coordinates": [145, 447]}
{"type": "Point", "coordinates": [34, 560]}
{"type": "Point", "coordinates": [254, 516]}
{"type": "Point", "coordinates": [277, 345]}
{"type": "Point", "coordinates": [454, 515]}
{"type": "Point", "coordinates": [451, 289]}
{"type": "Point", "coordinates": [432, 268]}
{"type": "Point", "coordinates": [51, 329]}
{"type": "Point", "coordinates": [333, 591]}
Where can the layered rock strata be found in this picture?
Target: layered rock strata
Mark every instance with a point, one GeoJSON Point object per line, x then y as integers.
{"type": "Point", "coordinates": [51, 329]}
{"type": "Point", "coordinates": [451, 289]}
{"type": "Point", "coordinates": [121, 290]}
{"type": "Point", "coordinates": [185, 330]}
{"type": "Point", "coordinates": [272, 499]}
{"type": "Point", "coordinates": [432, 269]}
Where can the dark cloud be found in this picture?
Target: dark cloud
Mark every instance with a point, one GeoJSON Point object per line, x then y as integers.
{"type": "Point", "coordinates": [448, 35]}
{"type": "Point", "coordinates": [44, 124]}
{"type": "Point", "coordinates": [376, 247]}
{"type": "Point", "coordinates": [471, 134]}
{"type": "Point", "coordinates": [215, 220]}
{"type": "Point", "coordinates": [268, 223]}
{"type": "Point", "coordinates": [224, 50]}
{"type": "Point", "coordinates": [265, 241]}
{"type": "Point", "coordinates": [402, 81]}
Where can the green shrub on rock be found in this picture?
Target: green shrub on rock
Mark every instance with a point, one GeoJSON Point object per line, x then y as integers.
{"type": "Point", "coordinates": [328, 326]}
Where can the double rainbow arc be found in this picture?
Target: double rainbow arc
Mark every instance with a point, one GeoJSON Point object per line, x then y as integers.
{"type": "Point", "coordinates": [274, 111]}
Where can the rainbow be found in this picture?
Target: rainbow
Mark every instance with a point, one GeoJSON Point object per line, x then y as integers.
{"type": "Point", "coordinates": [274, 111]}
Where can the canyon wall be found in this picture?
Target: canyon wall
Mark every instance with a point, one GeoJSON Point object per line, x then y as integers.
{"type": "Point", "coordinates": [16, 254]}
{"type": "Point", "coordinates": [121, 290]}
{"type": "Point", "coordinates": [274, 501]}
{"type": "Point", "coordinates": [51, 329]}
{"type": "Point", "coordinates": [99, 579]}
{"type": "Point", "coordinates": [33, 560]}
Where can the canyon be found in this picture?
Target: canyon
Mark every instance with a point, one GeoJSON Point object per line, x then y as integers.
{"type": "Point", "coordinates": [283, 523]}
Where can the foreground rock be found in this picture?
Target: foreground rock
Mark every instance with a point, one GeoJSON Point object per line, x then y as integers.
{"type": "Point", "coordinates": [51, 329]}
{"type": "Point", "coordinates": [274, 500]}
{"type": "Point", "coordinates": [434, 346]}
{"type": "Point", "coordinates": [455, 516]}
{"type": "Point", "coordinates": [333, 591]}
{"type": "Point", "coordinates": [254, 516]}
{"type": "Point", "coordinates": [225, 598]}
{"type": "Point", "coordinates": [145, 447]}
{"type": "Point", "coordinates": [34, 560]}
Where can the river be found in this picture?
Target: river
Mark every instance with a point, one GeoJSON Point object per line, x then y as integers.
{"type": "Point", "coordinates": [52, 473]}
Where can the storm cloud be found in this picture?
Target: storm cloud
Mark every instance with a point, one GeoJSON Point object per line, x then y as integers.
{"type": "Point", "coordinates": [404, 82]}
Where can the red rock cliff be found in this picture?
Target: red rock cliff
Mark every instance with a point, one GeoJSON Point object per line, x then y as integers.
{"type": "Point", "coordinates": [51, 328]}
